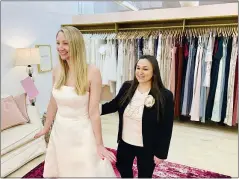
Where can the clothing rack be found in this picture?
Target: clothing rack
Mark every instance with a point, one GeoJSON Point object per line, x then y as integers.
{"type": "Point", "coordinates": [182, 23]}
{"type": "Point", "coordinates": [173, 29]}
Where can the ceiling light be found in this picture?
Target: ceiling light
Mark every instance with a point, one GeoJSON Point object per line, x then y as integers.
{"type": "Point", "coordinates": [189, 3]}
{"type": "Point", "coordinates": [128, 5]}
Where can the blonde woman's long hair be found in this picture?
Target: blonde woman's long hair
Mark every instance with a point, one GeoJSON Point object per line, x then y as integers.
{"type": "Point", "coordinates": [77, 58]}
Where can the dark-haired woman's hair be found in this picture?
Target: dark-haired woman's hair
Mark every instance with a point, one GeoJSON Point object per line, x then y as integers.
{"type": "Point", "coordinates": [157, 87]}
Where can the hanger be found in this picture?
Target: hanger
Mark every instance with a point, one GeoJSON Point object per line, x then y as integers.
{"type": "Point", "coordinates": [140, 35]}
{"type": "Point", "coordinates": [148, 34]}
{"type": "Point", "coordinates": [227, 29]}
{"type": "Point", "coordinates": [192, 32]}
{"type": "Point", "coordinates": [195, 32]}
{"type": "Point", "coordinates": [106, 36]}
{"type": "Point", "coordinates": [136, 35]}
{"type": "Point", "coordinates": [178, 32]}
{"type": "Point", "coordinates": [156, 34]}
{"type": "Point", "coordinates": [205, 31]}
{"type": "Point", "coordinates": [132, 35]}
{"type": "Point", "coordinates": [114, 35]}
{"type": "Point", "coordinates": [152, 34]}
{"type": "Point", "coordinates": [230, 31]}
{"type": "Point", "coordinates": [201, 32]}
{"type": "Point", "coordinates": [168, 32]}
{"type": "Point", "coordinates": [186, 32]}
{"type": "Point", "coordinates": [126, 34]}
{"type": "Point", "coordinates": [173, 33]}
{"type": "Point", "coordinates": [122, 35]}
{"type": "Point", "coordinates": [235, 31]}
{"type": "Point", "coordinates": [144, 34]}
{"type": "Point", "coordinates": [102, 36]}
{"type": "Point", "coordinates": [129, 35]}
{"type": "Point", "coordinates": [109, 36]}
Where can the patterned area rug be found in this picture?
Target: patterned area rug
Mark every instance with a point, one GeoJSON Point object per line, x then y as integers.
{"type": "Point", "coordinates": [164, 170]}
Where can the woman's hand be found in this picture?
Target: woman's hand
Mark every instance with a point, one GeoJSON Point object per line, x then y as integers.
{"type": "Point", "coordinates": [104, 153]}
{"type": "Point", "coordinates": [41, 133]}
{"type": "Point", "coordinates": [157, 161]}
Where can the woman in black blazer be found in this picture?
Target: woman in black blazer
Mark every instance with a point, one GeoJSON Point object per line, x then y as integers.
{"type": "Point", "coordinates": [146, 113]}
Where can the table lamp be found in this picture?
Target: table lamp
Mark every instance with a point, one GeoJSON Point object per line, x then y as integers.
{"type": "Point", "coordinates": [27, 57]}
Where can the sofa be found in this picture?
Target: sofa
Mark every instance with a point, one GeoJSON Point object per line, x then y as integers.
{"type": "Point", "coordinates": [18, 145]}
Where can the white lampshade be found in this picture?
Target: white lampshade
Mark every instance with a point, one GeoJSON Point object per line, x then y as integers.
{"type": "Point", "coordinates": [189, 3]}
{"type": "Point", "coordinates": [27, 56]}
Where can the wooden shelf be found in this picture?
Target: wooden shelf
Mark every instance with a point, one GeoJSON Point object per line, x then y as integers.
{"type": "Point", "coordinates": [158, 24]}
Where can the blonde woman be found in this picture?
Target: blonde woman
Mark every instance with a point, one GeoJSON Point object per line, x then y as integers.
{"type": "Point", "coordinates": [75, 147]}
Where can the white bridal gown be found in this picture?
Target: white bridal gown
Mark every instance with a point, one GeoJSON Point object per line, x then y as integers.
{"type": "Point", "coordinates": [72, 150]}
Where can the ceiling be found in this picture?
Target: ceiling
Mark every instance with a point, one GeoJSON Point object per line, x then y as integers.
{"type": "Point", "coordinates": [95, 7]}
{"type": "Point", "coordinates": [142, 5]}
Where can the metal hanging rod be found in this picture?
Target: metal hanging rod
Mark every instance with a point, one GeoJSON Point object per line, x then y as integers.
{"type": "Point", "coordinates": [97, 30]}
{"type": "Point", "coordinates": [212, 25]}
{"type": "Point", "coordinates": [174, 27]}
{"type": "Point", "coordinates": [150, 28]}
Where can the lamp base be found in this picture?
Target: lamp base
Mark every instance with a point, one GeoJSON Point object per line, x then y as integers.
{"type": "Point", "coordinates": [29, 70]}
{"type": "Point", "coordinates": [32, 101]}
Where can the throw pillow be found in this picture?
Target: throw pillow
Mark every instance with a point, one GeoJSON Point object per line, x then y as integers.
{"type": "Point", "coordinates": [21, 103]}
{"type": "Point", "coordinates": [10, 113]}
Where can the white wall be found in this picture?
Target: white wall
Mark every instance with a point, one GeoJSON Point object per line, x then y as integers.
{"type": "Point", "coordinates": [25, 24]}
{"type": "Point", "coordinates": [97, 7]}
{"type": "Point", "coordinates": [107, 6]}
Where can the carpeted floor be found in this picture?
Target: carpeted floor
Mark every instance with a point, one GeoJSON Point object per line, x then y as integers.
{"type": "Point", "coordinates": [166, 169]}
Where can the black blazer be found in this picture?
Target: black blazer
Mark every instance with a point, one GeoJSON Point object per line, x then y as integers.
{"type": "Point", "coordinates": [156, 134]}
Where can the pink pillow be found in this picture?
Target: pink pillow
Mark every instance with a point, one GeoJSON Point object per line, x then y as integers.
{"type": "Point", "coordinates": [10, 113]}
{"type": "Point", "coordinates": [21, 103]}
